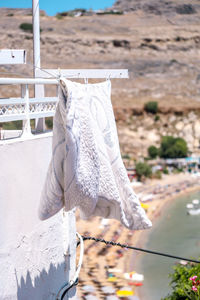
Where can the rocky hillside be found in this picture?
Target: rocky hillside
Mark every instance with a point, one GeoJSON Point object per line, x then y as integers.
{"type": "Point", "coordinates": [158, 41]}
{"type": "Point", "coordinates": [161, 53]}
{"type": "Point", "coordinates": [158, 7]}
{"type": "Point", "coordinates": [138, 132]}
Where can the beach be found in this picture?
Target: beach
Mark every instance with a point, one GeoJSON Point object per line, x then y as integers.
{"type": "Point", "coordinates": [102, 273]}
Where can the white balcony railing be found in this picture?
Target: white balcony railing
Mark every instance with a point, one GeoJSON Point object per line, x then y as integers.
{"type": "Point", "coordinates": [26, 108]}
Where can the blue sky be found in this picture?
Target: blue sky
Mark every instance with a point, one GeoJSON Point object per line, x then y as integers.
{"type": "Point", "coordinates": [53, 6]}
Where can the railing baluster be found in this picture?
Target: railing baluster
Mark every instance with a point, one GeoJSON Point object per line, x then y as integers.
{"type": "Point", "coordinates": [26, 131]}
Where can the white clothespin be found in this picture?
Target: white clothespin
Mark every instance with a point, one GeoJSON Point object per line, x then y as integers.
{"type": "Point", "coordinates": [109, 76]}
{"type": "Point", "coordinates": [59, 73]}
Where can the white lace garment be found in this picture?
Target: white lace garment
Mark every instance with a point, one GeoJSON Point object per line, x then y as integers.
{"type": "Point", "coordinates": [86, 170]}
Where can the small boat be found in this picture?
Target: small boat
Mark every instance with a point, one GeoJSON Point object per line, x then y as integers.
{"type": "Point", "coordinates": [193, 208]}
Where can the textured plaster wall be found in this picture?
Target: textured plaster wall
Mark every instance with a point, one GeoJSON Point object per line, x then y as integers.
{"type": "Point", "coordinates": [32, 261]}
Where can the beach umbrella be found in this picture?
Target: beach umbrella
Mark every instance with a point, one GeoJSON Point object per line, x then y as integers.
{"type": "Point", "coordinates": [108, 290]}
{"type": "Point", "coordinates": [112, 278]}
{"type": "Point", "coordinates": [112, 297]}
{"type": "Point", "coordinates": [125, 292]}
{"type": "Point", "coordinates": [133, 276]}
{"type": "Point", "coordinates": [133, 298]}
{"type": "Point", "coordinates": [88, 288]}
{"type": "Point", "coordinates": [114, 270]}
{"type": "Point", "coordinates": [91, 297]}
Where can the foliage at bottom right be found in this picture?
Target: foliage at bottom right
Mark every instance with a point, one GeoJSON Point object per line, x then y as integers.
{"type": "Point", "coordinates": [185, 282]}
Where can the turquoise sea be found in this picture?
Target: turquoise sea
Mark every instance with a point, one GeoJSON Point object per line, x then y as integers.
{"type": "Point", "coordinates": [174, 232]}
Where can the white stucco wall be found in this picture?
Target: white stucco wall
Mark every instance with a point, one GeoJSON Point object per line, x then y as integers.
{"type": "Point", "coordinates": [32, 261]}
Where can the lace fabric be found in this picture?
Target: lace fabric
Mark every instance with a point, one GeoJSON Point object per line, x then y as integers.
{"type": "Point", "coordinates": [86, 170]}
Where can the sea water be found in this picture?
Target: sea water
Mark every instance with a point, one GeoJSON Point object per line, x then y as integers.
{"type": "Point", "coordinates": [175, 233]}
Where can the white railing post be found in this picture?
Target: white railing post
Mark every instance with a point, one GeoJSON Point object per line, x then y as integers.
{"type": "Point", "coordinates": [26, 130]}
{"type": "Point", "coordinates": [39, 89]}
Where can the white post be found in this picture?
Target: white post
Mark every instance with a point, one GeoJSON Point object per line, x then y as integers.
{"type": "Point", "coordinates": [26, 130]}
{"type": "Point", "coordinates": [39, 89]}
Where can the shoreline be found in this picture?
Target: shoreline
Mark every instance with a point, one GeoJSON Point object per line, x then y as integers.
{"type": "Point", "coordinates": [100, 258]}
{"type": "Point", "coordinates": [142, 237]}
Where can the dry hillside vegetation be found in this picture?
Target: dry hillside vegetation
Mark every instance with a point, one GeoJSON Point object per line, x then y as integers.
{"type": "Point", "coordinates": [158, 41]}
{"type": "Point", "coordinates": [161, 50]}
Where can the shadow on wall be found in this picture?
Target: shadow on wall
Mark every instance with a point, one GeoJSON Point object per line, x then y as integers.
{"type": "Point", "coordinates": [45, 286]}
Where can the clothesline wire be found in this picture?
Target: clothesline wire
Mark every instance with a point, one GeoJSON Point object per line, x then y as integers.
{"type": "Point", "coordinates": [136, 248]}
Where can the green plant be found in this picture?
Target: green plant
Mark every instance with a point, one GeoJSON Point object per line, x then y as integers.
{"type": "Point", "coordinates": [110, 12]}
{"type": "Point", "coordinates": [185, 282]}
{"type": "Point", "coordinates": [153, 152]}
{"type": "Point", "coordinates": [126, 156]}
{"type": "Point", "coordinates": [151, 107]}
{"type": "Point", "coordinates": [59, 16]}
{"type": "Point", "coordinates": [158, 174]}
{"type": "Point", "coordinates": [165, 171]}
{"type": "Point", "coordinates": [143, 169]}
{"type": "Point", "coordinates": [173, 147]}
{"type": "Point", "coordinates": [28, 27]}
{"type": "Point", "coordinates": [15, 125]}
{"type": "Point", "coordinates": [71, 13]}
{"type": "Point", "coordinates": [157, 118]}
{"type": "Point", "coordinates": [10, 15]}
{"type": "Point", "coordinates": [49, 122]}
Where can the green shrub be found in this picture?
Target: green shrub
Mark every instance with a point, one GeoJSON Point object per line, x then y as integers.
{"type": "Point", "coordinates": [158, 174]}
{"type": "Point", "coordinates": [71, 13]}
{"type": "Point", "coordinates": [151, 107]}
{"type": "Point", "coordinates": [173, 147]}
{"type": "Point", "coordinates": [153, 152]}
{"type": "Point", "coordinates": [49, 122]}
{"type": "Point", "coordinates": [111, 12]}
{"type": "Point", "coordinates": [143, 169]}
{"type": "Point", "coordinates": [165, 171]}
{"type": "Point", "coordinates": [157, 118]}
{"type": "Point", "coordinates": [28, 27]}
{"type": "Point", "coordinates": [182, 283]}
{"type": "Point", "coordinates": [126, 156]}
{"type": "Point", "coordinates": [14, 125]}
{"type": "Point", "coordinates": [59, 16]}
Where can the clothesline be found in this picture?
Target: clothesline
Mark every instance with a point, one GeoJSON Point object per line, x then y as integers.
{"type": "Point", "coordinates": [137, 249]}
{"type": "Point", "coordinates": [65, 289]}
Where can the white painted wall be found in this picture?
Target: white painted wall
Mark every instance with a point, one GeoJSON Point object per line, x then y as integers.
{"type": "Point", "coordinates": [32, 261]}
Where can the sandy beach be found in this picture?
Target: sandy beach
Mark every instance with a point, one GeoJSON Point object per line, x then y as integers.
{"type": "Point", "coordinates": [104, 266]}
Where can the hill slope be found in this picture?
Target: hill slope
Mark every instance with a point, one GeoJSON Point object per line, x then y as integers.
{"type": "Point", "coordinates": [161, 51]}
{"type": "Point", "coordinates": [159, 7]}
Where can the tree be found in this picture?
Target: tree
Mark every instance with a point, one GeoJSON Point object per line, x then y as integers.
{"type": "Point", "coordinates": [173, 147]}
{"type": "Point", "coordinates": [143, 169]}
{"type": "Point", "coordinates": [185, 282]}
{"type": "Point", "coordinates": [153, 152]}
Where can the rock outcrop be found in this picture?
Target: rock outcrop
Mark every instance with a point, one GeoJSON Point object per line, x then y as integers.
{"type": "Point", "coordinates": [137, 133]}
